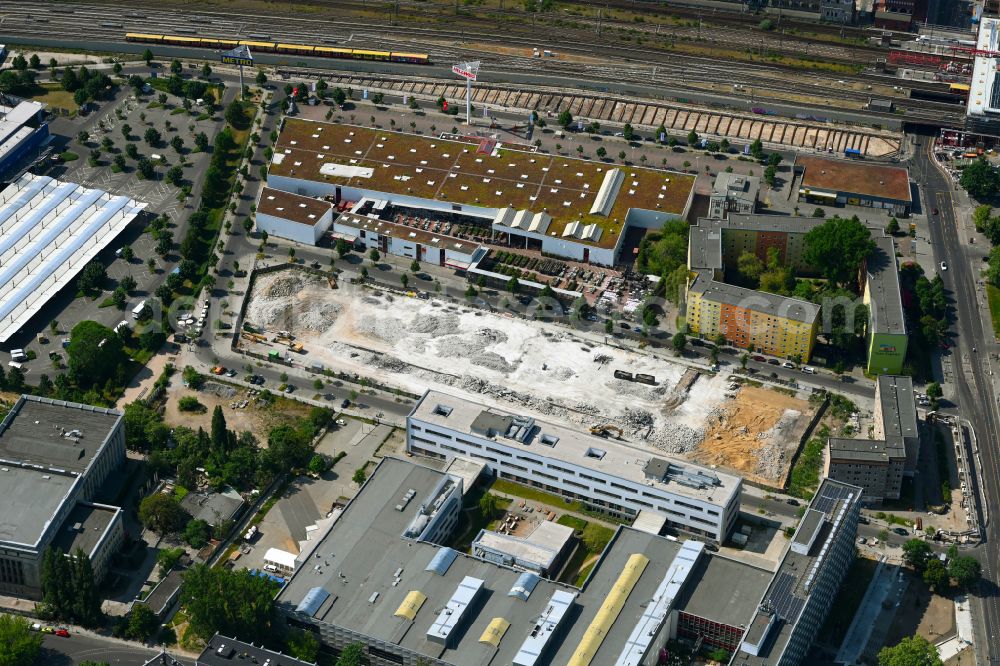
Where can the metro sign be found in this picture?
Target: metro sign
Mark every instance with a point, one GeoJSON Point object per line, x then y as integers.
{"type": "Point", "coordinates": [467, 70]}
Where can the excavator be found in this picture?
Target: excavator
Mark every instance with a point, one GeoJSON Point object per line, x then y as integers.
{"type": "Point", "coordinates": [606, 430]}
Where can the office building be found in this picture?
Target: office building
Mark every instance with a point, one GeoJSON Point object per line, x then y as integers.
{"type": "Point", "coordinates": [373, 578]}
{"type": "Point", "coordinates": [798, 598]}
{"type": "Point", "coordinates": [292, 216]}
{"type": "Point", "coordinates": [606, 474]}
{"type": "Point", "coordinates": [54, 456]}
{"type": "Point", "coordinates": [543, 551]}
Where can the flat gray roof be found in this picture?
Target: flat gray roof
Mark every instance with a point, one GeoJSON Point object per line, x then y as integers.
{"type": "Point", "coordinates": [39, 431]}
{"type": "Point", "coordinates": [84, 527]}
{"type": "Point", "coordinates": [363, 550]}
{"type": "Point", "coordinates": [214, 508]}
{"type": "Point", "coordinates": [620, 459]}
{"type": "Point", "coordinates": [899, 406]}
{"type": "Point", "coordinates": [883, 283]}
{"type": "Point", "coordinates": [32, 497]}
{"type": "Point", "coordinates": [728, 591]}
{"type": "Point", "coordinates": [705, 247]}
{"type": "Point", "coordinates": [236, 653]}
{"type": "Point", "coordinates": [164, 590]}
{"type": "Point", "coordinates": [736, 185]}
{"type": "Point", "coordinates": [858, 450]}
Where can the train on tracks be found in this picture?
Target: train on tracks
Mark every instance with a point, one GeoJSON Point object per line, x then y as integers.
{"type": "Point", "coordinates": [277, 47]}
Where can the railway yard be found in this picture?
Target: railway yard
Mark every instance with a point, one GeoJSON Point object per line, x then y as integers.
{"type": "Point", "coordinates": [742, 81]}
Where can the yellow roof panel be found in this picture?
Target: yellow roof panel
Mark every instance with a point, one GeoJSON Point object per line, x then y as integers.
{"type": "Point", "coordinates": [260, 45]}
{"type": "Point", "coordinates": [296, 47]}
{"type": "Point", "coordinates": [178, 38]}
{"type": "Point", "coordinates": [330, 49]}
{"type": "Point", "coordinates": [409, 55]}
{"type": "Point", "coordinates": [494, 631]}
{"type": "Point", "coordinates": [609, 611]}
{"type": "Point", "coordinates": [411, 604]}
{"type": "Point", "coordinates": [360, 52]}
{"type": "Point", "coordinates": [140, 35]}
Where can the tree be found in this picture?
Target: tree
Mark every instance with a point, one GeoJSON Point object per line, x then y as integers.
{"type": "Point", "coordinates": [145, 169]}
{"type": "Point", "coordinates": [201, 141]}
{"type": "Point", "coordinates": [749, 266]}
{"type": "Point", "coordinates": [934, 390]}
{"type": "Point", "coordinates": [621, 154]}
{"type": "Point", "coordinates": [936, 575]}
{"type": "Point", "coordinates": [235, 115]}
{"type": "Point", "coordinates": [174, 175]}
{"type": "Point", "coordinates": [142, 623]}
{"type": "Point", "coordinates": [92, 277]}
{"type": "Point", "coordinates": [916, 552]}
{"type": "Point", "coordinates": [893, 227]}
{"type": "Point", "coordinates": [119, 162]}
{"type": "Point", "coordinates": [206, 70]}
{"type": "Point", "coordinates": [565, 118]}
{"type": "Point", "coordinates": [352, 655]}
{"type": "Point", "coordinates": [679, 341]}
{"type": "Point", "coordinates": [95, 353]}
{"type": "Point", "coordinates": [19, 63]}
{"type": "Point", "coordinates": [168, 559]}
{"type": "Point", "coordinates": [757, 149]}
{"type": "Point", "coordinates": [232, 603]}
{"type": "Point", "coordinates": [489, 505]}
{"type": "Point", "coordinates": [303, 645]}
{"type": "Point", "coordinates": [374, 255]}
{"type": "Point", "coordinates": [359, 476]}
{"type": "Point", "coordinates": [119, 297]}
{"type": "Point", "coordinates": [628, 132]}
{"type": "Point", "coordinates": [34, 61]}
{"type": "Point", "coordinates": [964, 570]}
{"type": "Point", "coordinates": [404, 279]}
{"type": "Point", "coordinates": [19, 645]}
{"type": "Point", "coordinates": [152, 136]}
{"type": "Point", "coordinates": [692, 138]}
{"type": "Point", "coordinates": [912, 651]}
{"type": "Point", "coordinates": [980, 179]}
{"type": "Point", "coordinates": [176, 67]}
{"type": "Point", "coordinates": [837, 248]}
{"type": "Point", "coordinates": [774, 159]}
{"type": "Point", "coordinates": [197, 533]}
{"type": "Point", "coordinates": [147, 55]}
{"type": "Point", "coordinates": [162, 513]}
{"type": "Point", "coordinates": [601, 152]}
{"type": "Point", "coordinates": [770, 176]}
{"type": "Point", "coordinates": [132, 151]}
{"type": "Point", "coordinates": [261, 78]}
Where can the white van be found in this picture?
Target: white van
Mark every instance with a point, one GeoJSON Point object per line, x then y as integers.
{"type": "Point", "coordinates": [18, 355]}
{"type": "Point", "coordinates": [139, 310]}
{"type": "Point", "coordinates": [120, 325]}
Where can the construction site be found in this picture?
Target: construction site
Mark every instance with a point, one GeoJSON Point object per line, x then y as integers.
{"type": "Point", "coordinates": [531, 366]}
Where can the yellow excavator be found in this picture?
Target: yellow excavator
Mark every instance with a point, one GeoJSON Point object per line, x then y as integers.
{"type": "Point", "coordinates": [606, 430]}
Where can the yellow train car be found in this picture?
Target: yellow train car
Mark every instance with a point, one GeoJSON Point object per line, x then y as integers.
{"type": "Point", "coordinates": [417, 58]}
{"type": "Point", "coordinates": [296, 49]}
{"type": "Point", "coordinates": [330, 52]}
{"type": "Point", "coordinates": [267, 47]}
{"type": "Point", "coordinates": [371, 55]}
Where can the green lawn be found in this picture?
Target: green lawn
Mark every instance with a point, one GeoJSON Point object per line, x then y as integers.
{"type": "Point", "coordinates": [993, 294]}
{"type": "Point", "coordinates": [534, 494]}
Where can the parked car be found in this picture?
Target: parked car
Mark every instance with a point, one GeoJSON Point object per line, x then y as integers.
{"type": "Point", "coordinates": [944, 265]}
{"type": "Point", "coordinates": [788, 364]}
{"type": "Point", "coordinates": [345, 404]}
{"type": "Point", "coordinates": [809, 370]}
{"type": "Point", "coordinates": [62, 633]}
{"type": "Point", "coordinates": [792, 501]}
{"type": "Point", "coordinates": [901, 531]}
{"type": "Point", "coordinates": [862, 540]}
{"type": "Point", "coordinates": [341, 422]}
{"type": "Point", "coordinates": [759, 359]}
{"type": "Point", "coordinates": [774, 361]}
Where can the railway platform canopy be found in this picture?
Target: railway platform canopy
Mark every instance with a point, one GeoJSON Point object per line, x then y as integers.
{"type": "Point", "coordinates": [50, 230]}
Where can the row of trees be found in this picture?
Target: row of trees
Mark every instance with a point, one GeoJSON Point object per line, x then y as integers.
{"type": "Point", "coordinates": [69, 591]}
{"type": "Point", "coordinates": [86, 85]}
{"type": "Point", "coordinates": [964, 570]}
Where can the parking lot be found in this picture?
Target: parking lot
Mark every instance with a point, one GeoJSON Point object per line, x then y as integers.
{"type": "Point", "coordinates": [104, 128]}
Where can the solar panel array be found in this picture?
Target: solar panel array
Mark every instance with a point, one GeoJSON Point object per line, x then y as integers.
{"type": "Point", "coordinates": [830, 494]}
{"type": "Point", "coordinates": [783, 601]}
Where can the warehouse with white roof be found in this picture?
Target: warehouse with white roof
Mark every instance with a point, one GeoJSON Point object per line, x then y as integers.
{"type": "Point", "coordinates": [50, 230]}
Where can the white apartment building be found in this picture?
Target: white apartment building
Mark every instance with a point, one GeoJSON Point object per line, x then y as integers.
{"type": "Point", "coordinates": [606, 474]}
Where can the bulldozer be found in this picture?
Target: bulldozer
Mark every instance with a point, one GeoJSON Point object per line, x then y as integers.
{"type": "Point", "coordinates": [607, 430]}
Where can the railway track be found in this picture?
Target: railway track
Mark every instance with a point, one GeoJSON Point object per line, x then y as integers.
{"type": "Point", "coordinates": [632, 64]}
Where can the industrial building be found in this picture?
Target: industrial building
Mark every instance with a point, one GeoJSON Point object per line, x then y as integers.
{"type": "Point", "coordinates": [224, 651]}
{"type": "Point", "coordinates": [292, 216]}
{"type": "Point", "coordinates": [779, 325]}
{"type": "Point", "coordinates": [563, 206]}
{"type": "Point", "coordinates": [49, 230]}
{"type": "Point", "coordinates": [733, 193]}
{"type": "Point", "coordinates": [410, 599]}
{"type": "Point", "coordinates": [836, 182]}
{"type": "Point", "coordinates": [23, 131]}
{"type": "Point", "coordinates": [806, 583]}
{"type": "Point", "coordinates": [54, 456]}
{"type": "Point", "coordinates": [878, 465]}
{"type": "Point", "coordinates": [606, 474]}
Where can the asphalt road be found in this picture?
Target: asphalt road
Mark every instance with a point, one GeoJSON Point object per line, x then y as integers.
{"type": "Point", "coordinates": [78, 648]}
{"type": "Point", "coordinates": [973, 385]}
